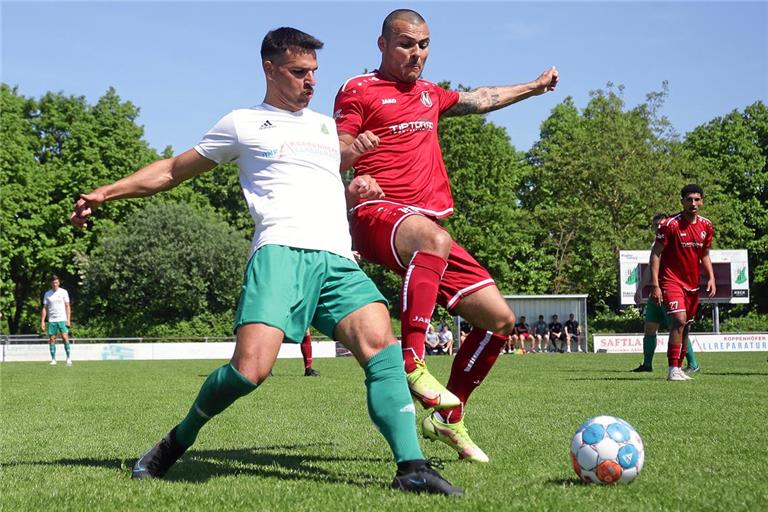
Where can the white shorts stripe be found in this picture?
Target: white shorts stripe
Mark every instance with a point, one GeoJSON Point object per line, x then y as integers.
{"type": "Point", "coordinates": [464, 291]}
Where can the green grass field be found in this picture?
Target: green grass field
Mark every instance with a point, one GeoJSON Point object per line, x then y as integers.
{"type": "Point", "coordinates": [69, 437]}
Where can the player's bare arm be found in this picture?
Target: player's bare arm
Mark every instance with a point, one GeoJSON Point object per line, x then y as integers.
{"type": "Point", "coordinates": [655, 263]}
{"type": "Point", "coordinates": [353, 147]}
{"type": "Point", "coordinates": [43, 314]}
{"type": "Point", "coordinates": [488, 99]}
{"type": "Point", "coordinates": [69, 314]}
{"type": "Point", "coordinates": [156, 177]}
{"type": "Point", "coordinates": [706, 261]}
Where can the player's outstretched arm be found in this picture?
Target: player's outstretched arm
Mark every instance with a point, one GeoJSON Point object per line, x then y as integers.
{"type": "Point", "coordinates": [488, 99]}
{"type": "Point", "coordinates": [156, 177]}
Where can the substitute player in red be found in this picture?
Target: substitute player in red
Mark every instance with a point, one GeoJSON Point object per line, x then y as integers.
{"type": "Point", "coordinates": [387, 124]}
{"type": "Point", "coordinates": [680, 250]}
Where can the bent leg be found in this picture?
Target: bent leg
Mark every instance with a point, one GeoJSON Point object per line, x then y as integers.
{"type": "Point", "coordinates": [425, 245]}
{"type": "Point", "coordinates": [256, 349]}
{"type": "Point", "coordinates": [493, 321]}
{"type": "Point", "coordinates": [367, 333]}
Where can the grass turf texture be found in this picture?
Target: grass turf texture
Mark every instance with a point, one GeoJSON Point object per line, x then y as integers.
{"type": "Point", "coordinates": [69, 437]}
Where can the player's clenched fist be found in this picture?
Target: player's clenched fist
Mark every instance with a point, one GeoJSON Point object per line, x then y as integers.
{"type": "Point", "coordinates": [547, 81]}
{"type": "Point", "coordinates": [84, 207]}
{"type": "Point", "coordinates": [365, 142]}
{"type": "Point", "coordinates": [365, 187]}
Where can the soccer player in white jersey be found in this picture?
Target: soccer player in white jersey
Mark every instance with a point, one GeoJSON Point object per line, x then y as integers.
{"type": "Point", "coordinates": [301, 268]}
{"type": "Point", "coordinates": [58, 312]}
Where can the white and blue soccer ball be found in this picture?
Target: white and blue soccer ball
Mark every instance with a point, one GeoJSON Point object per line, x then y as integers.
{"type": "Point", "coordinates": [607, 450]}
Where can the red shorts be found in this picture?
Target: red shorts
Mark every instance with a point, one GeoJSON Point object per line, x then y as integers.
{"type": "Point", "coordinates": [677, 299]}
{"type": "Point", "coordinates": [374, 227]}
{"type": "Point", "coordinates": [524, 335]}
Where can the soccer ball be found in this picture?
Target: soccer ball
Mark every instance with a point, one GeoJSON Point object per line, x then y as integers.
{"type": "Point", "coordinates": [607, 450]}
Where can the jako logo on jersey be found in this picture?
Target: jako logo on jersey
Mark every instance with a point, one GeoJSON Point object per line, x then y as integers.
{"type": "Point", "coordinates": [420, 319]}
{"type": "Point", "coordinates": [338, 114]}
{"type": "Point", "coordinates": [388, 101]}
{"type": "Point", "coordinates": [412, 126]}
{"type": "Point", "coordinates": [425, 99]}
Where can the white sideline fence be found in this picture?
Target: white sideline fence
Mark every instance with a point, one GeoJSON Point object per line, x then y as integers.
{"type": "Point", "coordinates": [140, 349]}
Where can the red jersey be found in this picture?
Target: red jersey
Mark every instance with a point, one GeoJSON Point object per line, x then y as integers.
{"type": "Point", "coordinates": [408, 164]}
{"type": "Point", "coordinates": [685, 243]}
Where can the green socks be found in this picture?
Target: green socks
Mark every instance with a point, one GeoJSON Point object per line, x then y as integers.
{"type": "Point", "coordinates": [66, 348]}
{"type": "Point", "coordinates": [390, 405]}
{"type": "Point", "coordinates": [52, 349]}
{"type": "Point", "coordinates": [219, 391]}
{"type": "Point", "coordinates": [649, 348]}
{"type": "Point", "coordinates": [690, 355]}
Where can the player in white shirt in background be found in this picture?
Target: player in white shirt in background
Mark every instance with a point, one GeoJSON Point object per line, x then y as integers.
{"type": "Point", "coordinates": [59, 315]}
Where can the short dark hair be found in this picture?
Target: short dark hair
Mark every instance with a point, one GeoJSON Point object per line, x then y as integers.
{"type": "Point", "coordinates": [659, 216]}
{"type": "Point", "coordinates": [408, 15]}
{"type": "Point", "coordinates": [692, 188]}
{"type": "Point", "coordinates": [54, 277]}
{"type": "Point", "coordinates": [278, 41]}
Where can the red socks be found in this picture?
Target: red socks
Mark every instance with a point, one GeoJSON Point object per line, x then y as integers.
{"type": "Point", "coordinates": [674, 355]}
{"type": "Point", "coordinates": [419, 294]}
{"type": "Point", "coordinates": [306, 350]}
{"type": "Point", "coordinates": [472, 363]}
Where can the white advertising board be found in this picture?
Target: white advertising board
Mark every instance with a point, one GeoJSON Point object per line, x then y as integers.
{"type": "Point", "coordinates": [633, 343]}
{"type": "Point", "coordinates": [731, 276]}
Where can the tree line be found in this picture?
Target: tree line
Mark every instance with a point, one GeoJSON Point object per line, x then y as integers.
{"type": "Point", "coordinates": [550, 220]}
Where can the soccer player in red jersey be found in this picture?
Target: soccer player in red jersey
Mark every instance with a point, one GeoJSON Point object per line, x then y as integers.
{"type": "Point", "coordinates": [681, 248]}
{"type": "Point", "coordinates": [387, 124]}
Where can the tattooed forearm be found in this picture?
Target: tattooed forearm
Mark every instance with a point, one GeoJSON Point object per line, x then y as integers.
{"type": "Point", "coordinates": [488, 99]}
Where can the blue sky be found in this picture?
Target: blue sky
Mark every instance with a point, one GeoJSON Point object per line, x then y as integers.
{"type": "Point", "coordinates": [185, 64]}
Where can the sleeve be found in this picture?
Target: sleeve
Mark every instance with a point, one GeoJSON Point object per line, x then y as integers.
{"type": "Point", "coordinates": [348, 110]}
{"type": "Point", "coordinates": [220, 144]}
{"type": "Point", "coordinates": [66, 297]}
{"type": "Point", "coordinates": [662, 233]}
{"type": "Point", "coordinates": [710, 236]}
{"type": "Point", "coordinates": [445, 98]}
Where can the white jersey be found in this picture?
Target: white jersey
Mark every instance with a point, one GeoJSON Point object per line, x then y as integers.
{"type": "Point", "coordinates": [55, 303]}
{"type": "Point", "coordinates": [289, 171]}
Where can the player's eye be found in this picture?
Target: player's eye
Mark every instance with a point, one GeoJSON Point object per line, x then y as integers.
{"type": "Point", "coordinates": [424, 44]}
{"type": "Point", "coordinates": [300, 73]}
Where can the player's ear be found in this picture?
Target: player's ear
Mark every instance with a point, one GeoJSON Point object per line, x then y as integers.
{"type": "Point", "coordinates": [382, 43]}
{"type": "Point", "coordinates": [268, 67]}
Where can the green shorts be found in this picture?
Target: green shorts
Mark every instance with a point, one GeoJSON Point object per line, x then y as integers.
{"type": "Point", "coordinates": [289, 289]}
{"type": "Point", "coordinates": [655, 313]}
{"type": "Point", "coordinates": [55, 328]}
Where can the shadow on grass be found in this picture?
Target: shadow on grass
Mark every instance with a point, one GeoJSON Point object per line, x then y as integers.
{"type": "Point", "coordinates": [610, 378]}
{"type": "Point", "coordinates": [737, 374]}
{"type": "Point", "coordinates": [563, 482]}
{"type": "Point", "coordinates": [268, 461]}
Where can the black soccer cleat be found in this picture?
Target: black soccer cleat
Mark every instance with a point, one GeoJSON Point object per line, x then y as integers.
{"type": "Point", "coordinates": [642, 368]}
{"type": "Point", "coordinates": [424, 479]}
{"type": "Point", "coordinates": [156, 462]}
{"type": "Point", "coordinates": [311, 372]}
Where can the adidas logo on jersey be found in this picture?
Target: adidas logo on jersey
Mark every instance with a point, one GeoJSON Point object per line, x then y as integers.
{"type": "Point", "coordinates": [267, 124]}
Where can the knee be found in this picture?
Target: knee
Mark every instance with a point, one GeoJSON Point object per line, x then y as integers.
{"type": "Point", "coordinates": [505, 325]}
{"type": "Point", "coordinates": [438, 242]}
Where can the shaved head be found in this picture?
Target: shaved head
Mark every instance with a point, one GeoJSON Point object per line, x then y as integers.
{"type": "Point", "coordinates": [407, 15]}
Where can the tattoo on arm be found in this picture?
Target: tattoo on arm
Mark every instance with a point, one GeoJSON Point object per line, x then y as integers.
{"type": "Point", "coordinates": [478, 101]}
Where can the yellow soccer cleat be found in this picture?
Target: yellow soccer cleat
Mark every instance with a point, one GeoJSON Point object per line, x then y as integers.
{"type": "Point", "coordinates": [454, 435]}
{"type": "Point", "coordinates": [427, 390]}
